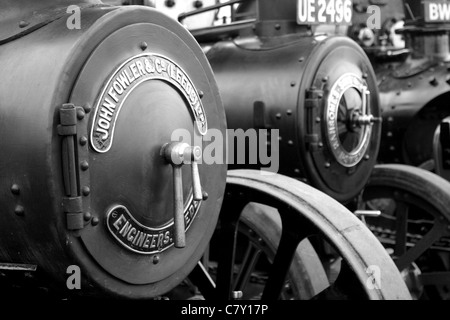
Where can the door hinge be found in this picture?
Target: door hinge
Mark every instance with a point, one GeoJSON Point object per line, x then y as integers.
{"type": "Point", "coordinates": [75, 164]}
{"type": "Point", "coordinates": [312, 104]}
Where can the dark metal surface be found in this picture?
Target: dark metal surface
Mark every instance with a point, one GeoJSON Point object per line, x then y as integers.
{"type": "Point", "coordinates": [286, 83]}
{"type": "Point", "coordinates": [53, 66]}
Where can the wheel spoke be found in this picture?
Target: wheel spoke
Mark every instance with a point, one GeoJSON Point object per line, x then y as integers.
{"type": "Point", "coordinates": [248, 264]}
{"type": "Point", "coordinates": [200, 277]}
{"type": "Point", "coordinates": [427, 241]}
{"type": "Point", "coordinates": [280, 267]}
{"type": "Point", "coordinates": [230, 213]}
{"type": "Point", "coordinates": [401, 228]}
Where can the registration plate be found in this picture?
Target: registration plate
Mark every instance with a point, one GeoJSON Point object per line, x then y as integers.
{"type": "Point", "coordinates": [437, 11]}
{"type": "Point", "coordinates": [324, 12]}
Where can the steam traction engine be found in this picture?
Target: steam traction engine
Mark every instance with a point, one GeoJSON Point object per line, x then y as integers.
{"type": "Point", "coordinates": [90, 175]}
{"type": "Point", "coordinates": [275, 70]}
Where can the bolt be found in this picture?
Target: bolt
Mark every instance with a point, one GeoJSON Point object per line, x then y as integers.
{"type": "Point", "coordinates": [277, 26]}
{"type": "Point", "coordinates": [143, 45]}
{"type": "Point", "coordinates": [321, 145]}
{"type": "Point", "coordinates": [87, 216]}
{"type": "Point", "coordinates": [80, 114]}
{"type": "Point", "coordinates": [19, 210]}
{"type": "Point", "coordinates": [15, 189]}
{"type": "Point", "coordinates": [83, 141]}
{"type": "Point", "coordinates": [392, 148]}
{"type": "Point", "coordinates": [390, 134]}
{"type": "Point", "coordinates": [434, 82]}
{"type": "Point", "coordinates": [325, 79]}
{"type": "Point", "coordinates": [155, 259]}
{"type": "Point", "coordinates": [84, 165]}
{"type": "Point", "coordinates": [365, 75]}
{"type": "Point", "coordinates": [205, 195]}
{"type": "Point", "coordinates": [278, 116]}
{"type": "Point", "coordinates": [293, 84]}
{"type": "Point", "coordinates": [318, 120]}
{"type": "Point", "coordinates": [391, 119]}
{"type": "Point", "coordinates": [301, 59]}
{"type": "Point", "coordinates": [86, 191]}
{"type": "Point", "coordinates": [87, 107]}
{"type": "Point", "coordinates": [95, 221]}
{"type": "Point", "coordinates": [237, 295]}
{"type": "Point", "coordinates": [200, 94]}
{"type": "Point", "coordinates": [409, 84]}
{"type": "Point", "coordinates": [169, 3]}
{"type": "Point", "coordinates": [23, 24]}
{"type": "Point", "coordinates": [289, 112]}
{"type": "Point", "coordinates": [367, 157]}
{"type": "Point", "coordinates": [290, 142]}
{"type": "Point", "coordinates": [327, 165]}
{"type": "Point", "coordinates": [198, 4]}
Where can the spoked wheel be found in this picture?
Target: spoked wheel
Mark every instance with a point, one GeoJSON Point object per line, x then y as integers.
{"type": "Point", "coordinates": [305, 213]}
{"type": "Point", "coordinates": [414, 225]}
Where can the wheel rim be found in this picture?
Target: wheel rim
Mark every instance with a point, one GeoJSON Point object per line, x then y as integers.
{"type": "Point", "coordinates": [304, 212]}
{"type": "Point", "coordinates": [414, 225]}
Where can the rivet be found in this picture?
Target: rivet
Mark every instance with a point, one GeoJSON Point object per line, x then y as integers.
{"type": "Point", "coordinates": [87, 216]}
{"type": "Point", "coordinates": [95, 221]}
{"type": "Point", "coordinates": [289, 112]}
{"type": "Point", "coordinates": [389, 134]}
{"type": "Point", "coordinates": [80, 114]}
{"type": "Point", "coordinates": [278, 116]}
{"type": "Point", "coordinates": [327, 165]}
{"type": "Point", "coordinates": [84, 165]}
{"type": "Point", "coordinates": [365, 75]}
{"type": "Point", "coordinates": [205, 195]}
{"type": "Point", "coordinates": [434, 82]}
{"type": "Point", "coordinates": [293, 84]}
{"type": "Point", "coordinates": [83, 141]}
{"type": "Point", "coordinates": [19, 210]}
{"type": "Point", "coordinates": [15, 189]}
{"type": "Point", "coordinates": [143, 45]}
{"type": "Point", "coordinates": [318, 120]}
{"type": "Point", "coordinates": [320, 96]}
{"type": "Point", "coordinates": [86, 191]}
{"type": "Point", "coordinates": [301, 59]}
{"type": "Point", "coordinates": [297, 171]}
{"type": "Point", "coordinates": [200, 94]}
{"type": "Point", "coordinates": [280, 138]}
{"type": "Point", "coordinates": [392, 148]}
{"type": "Point", "coordinates": [390, 119]}
{"type": "Point", "coordinates": [277, 26]}
{"type": "Point", "coordinates": [409, 84]}
{"type": "Point", "coordinates": [23, 24]}
{"type": "Point", "coordinates": [325, 79]}
{"type": "Point", "coordinates": [399, 93]}
{"type": "Point", "coordinates": [367, 157]}
{"type": "Point", "coordinates": [393, 107]}
{"type": "Point", "coordinates": [321, 145]}
{"type": "Point", "coordinates": [447, 80]}
{"type": "Point", "coordinates": [87, 107]}
{"type": "Point", "coordinates": [290, 142]}
{"type": "Point", "coordinates": [155, 259]}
